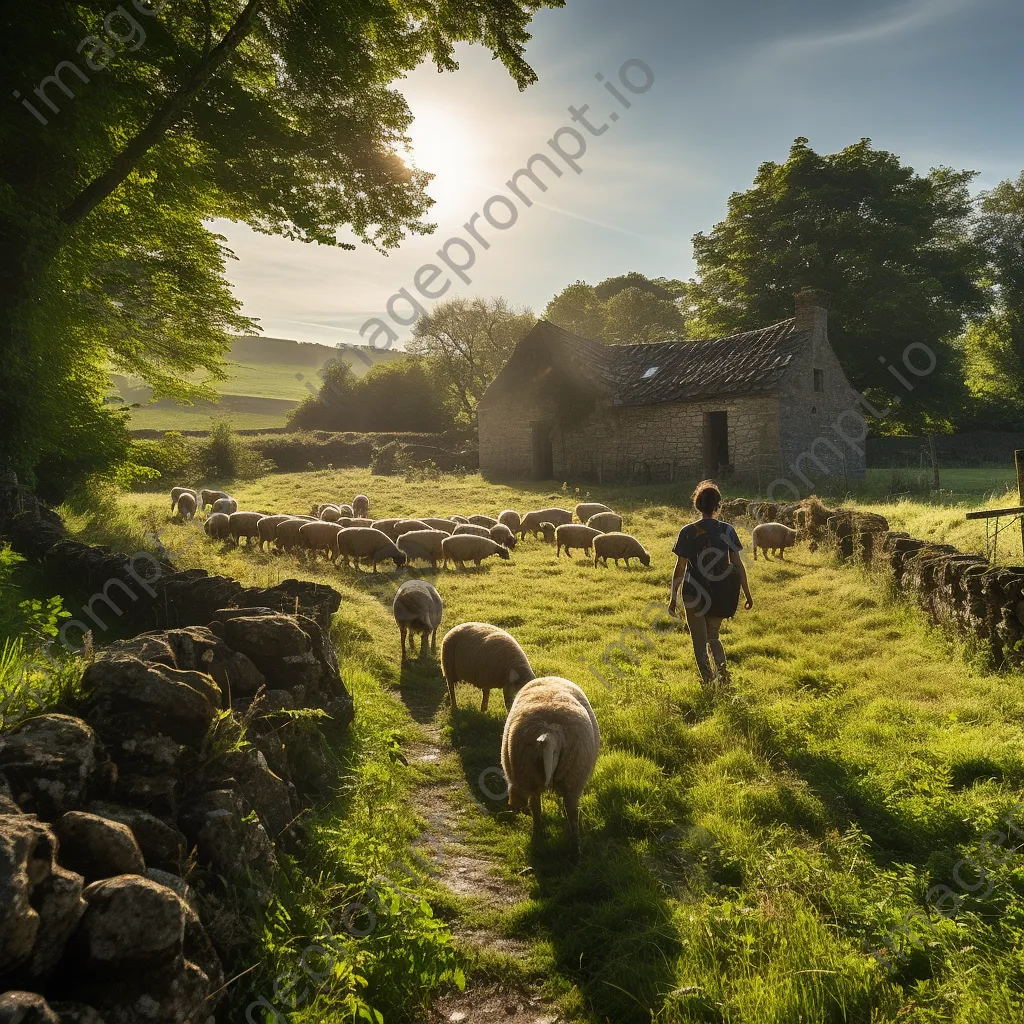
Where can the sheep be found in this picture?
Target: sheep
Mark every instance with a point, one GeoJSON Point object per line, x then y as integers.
{"type": "Point", "coordinates": [418, 609]}
{"type": "Point", "coordinates": [367, 543]}
{"type": "Point", "coordinates": [245, 524]}
{"type": "Point", "coordinates": [479, 520]}
{"type": "Point", "coordinates": [773, 537]}
{"type": "Point", "coordinates": [330, 514]}
{"type": "Point", "coordinates": [387, 526]}
{"type": "Point", "coordinates": [468, 547]}
{"type": "Point", "coordinates": [435, 523]}
{"type": "Point", "coordinates": [360, 506]}
{"type": "Point", "coordinates": [217, 526]}
{"type": "Point", "coordinates": [286, 533]}
{"type": "Point", "coordinates": [551, 740]}
{"type": "Point", "coordinates": [458, 519]}
{"type": "Point", "coordinates": [225, 505]}
{"type": "Point", "coordinates": [606, 522]}
{"type": "Point", "coordinates": [484, 656]}
{"type": "Point", "coordinates": [357, 521]}
{"type": "Point", "coordinates": [177, 492]}
{"type": "Point", "coordinates": [586, 509]}
{"type": "Point", "coordinates": [619, 545]}
{"type": "Point", "coordinates": [511, 519]}
{"type": "Point", "coordinates": [266, 528]}
{"type": "Point", "coordinates": [472, 529]}
{"type": "Point", "coordinates": [316, 537]}
{"type": "Point", "coordinates": [407, 526]}
{"type": "Point", "coordinates": [187, 506]}
{"type": "Point", "coordinates": [502, 535]}
{"type": "Point", "coordinates": [548, 532]}
{"type": "Point", "coordinates": [572, 535]}
{"type": "Point", "coordinates": [425, 544]}
{"type": "Point", "coordinates": [209, 496]}
{"type": "Point", "coordinates": [532, 520]}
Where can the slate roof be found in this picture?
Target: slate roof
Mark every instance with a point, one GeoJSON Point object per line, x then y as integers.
{"type": "Point", "coordinates": [742, 364]}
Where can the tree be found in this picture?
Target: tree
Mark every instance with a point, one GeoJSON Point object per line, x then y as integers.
{"type": "Point", "coordinates": [578, 309]}
{"type": "Point", "coordinates": [470, 340]}
{"type": "Point", "coordinates": [893, 248]}
{"type": "Point", "coordinates": [659, 287]}
{"type": "Point", "coordinates": [147, 123]}
{"type": "Point", "coordinates": [637, 317]}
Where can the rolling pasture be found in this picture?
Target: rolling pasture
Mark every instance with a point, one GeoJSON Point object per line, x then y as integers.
{"type": "Point", "coordinates": [748, 855]}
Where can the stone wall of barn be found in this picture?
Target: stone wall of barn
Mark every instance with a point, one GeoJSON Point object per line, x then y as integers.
{"type": "Point", "coordinates": [505, 425]}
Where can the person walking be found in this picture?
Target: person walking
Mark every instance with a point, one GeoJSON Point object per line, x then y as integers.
{"type": "Point", "coordinates": [712, 574]}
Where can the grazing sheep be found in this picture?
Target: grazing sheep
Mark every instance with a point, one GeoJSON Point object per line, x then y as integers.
{"type": "Point", "coordinates": [531, 522]}
{"type": "Point", "coordinates": [425, 544]}
{"type": "Point", "coordinates": [502, 535]}
{"type": "Point", "coordinates": [511, 519]}
{"type": "Point", "coordinates": [177, 492]}
{"type": "Point", "coordinates": [571, 536]}
{"type": "Point", "coordinates": [484, 656]}
{"type": "Point", "coordinates": [606, 522]}
{"type": "Point", "coordinates": [208, 497]}
{"type": "Point", "coordinates": [435, 523]}
{"type": "Point", "coordinates": [331, 514]}
{"type": "Point", "coordinates": [472, 529]}
{"type": "Point", "coordinates": [467, 547]}
{"type": "Point", "coordinates": [347, 510]}
{"type": "Point", "coordinates": [245, 524]}
{"type": "Point", "coordinates": [550, 741]}
{"type": "Point", "coordinates": [316, 537]}
{"type": "Point", "coordinates": [387, 526]}
{"type": "Point", "coordinates": [487, 521]}
{"type": "Point", "coordinates": [458, 519]}
{"type": "Point", "coordinates": [225, 505]}
{"type": "Point", "coordinates": [773, 537]}
{"type": "Point", "coordinates": [363, 542]}
{"type": "Point", "coordinates": [267, 528]}
{"type": "Point", "coordinates": [418, 609]}
{"type": "Point", "coordinates": [360, 506]}
{"type": "Point", "coordinates": [619, 545]}
{"type": "Point", "coordinates": [217, 526]}
{"type": "Point", "coordinates": [359, 521]}
{"type": "Point", "coordinates": [587, 509]}
{"type": "Point", "coordinates": [286, 533]}
{"type": "Point", "coordinates": [407, 526]}
{"type": "Point", "coordinates": [187, 506]}
{"type": "Point", "coordinates": [548, 532]}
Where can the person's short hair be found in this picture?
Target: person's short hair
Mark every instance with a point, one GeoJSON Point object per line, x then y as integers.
{"type": "Point", "coordinates": [707, 498]}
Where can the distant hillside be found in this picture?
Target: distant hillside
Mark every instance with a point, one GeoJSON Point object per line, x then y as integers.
{"type": "Point", "coordinates": [266, 378]}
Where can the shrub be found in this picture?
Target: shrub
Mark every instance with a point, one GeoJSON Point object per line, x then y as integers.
{"type": "Point", "coordinates": [223, 456]}
{"type": "Point", "coordinates": [387, 460]}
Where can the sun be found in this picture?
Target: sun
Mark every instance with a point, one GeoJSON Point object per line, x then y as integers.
{"type": "Point", "coordinates": [443, 144]}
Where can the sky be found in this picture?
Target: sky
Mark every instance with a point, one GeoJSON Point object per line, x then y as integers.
{"type": "Point", "coordinates": [734, 83]}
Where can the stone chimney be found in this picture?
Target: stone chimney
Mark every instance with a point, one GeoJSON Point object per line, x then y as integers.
{"type": "Point", "coordinates": [812, 309]}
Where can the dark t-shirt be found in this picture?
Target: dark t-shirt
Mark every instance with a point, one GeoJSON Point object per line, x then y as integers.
{"type": "Point", "coordinates": [705, 545]}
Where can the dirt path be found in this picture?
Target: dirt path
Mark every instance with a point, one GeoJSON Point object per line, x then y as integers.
{"type": "Point", "coordinates": [460, 868]}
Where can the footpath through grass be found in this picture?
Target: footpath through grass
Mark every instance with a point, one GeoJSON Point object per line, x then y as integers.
{"type": "Point", "coordinates": [743, 854]}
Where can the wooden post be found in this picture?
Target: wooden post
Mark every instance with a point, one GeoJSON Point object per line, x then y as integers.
{"type": "Point", "coordinates": [1018, 458]}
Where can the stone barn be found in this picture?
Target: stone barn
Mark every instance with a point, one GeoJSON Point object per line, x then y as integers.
{"type": "Point", "coordinates": [767, 403]}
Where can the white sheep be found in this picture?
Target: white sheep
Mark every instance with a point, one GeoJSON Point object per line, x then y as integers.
{"type": "Point", "coordinates": [407, 526]}
{"type": "Point", "coordinates": [773, 537]}
{"type": "Point", "coordinates": [177, 492]}
{"type": "Point", "coordinates": [208, 496]}
{"type": "Point", "coordinates": [510, 518]}
{"type": "Point", "coordinates": [266, 528]}
{"type": "Point", "coordinates": [487, 521]}
{"type": "Point", "coordinates": [225, 505]}
{"type": "Point", "coordinates": [245, 524]}
{"type": "Point", "coordinates": [501, 534]}
{"type": "Point", "coordinates": [387, 526]}
{"type": "Point", "coordinates": [286, 533]}
{"type": "Point", "coordinates": [531, 522]}
{"type": "Point", "coordinates": [467, 547]}
{"type": "Point", "coordinates": [418, 609]}
{"type": "Point", "coordinates": [606, 522]}
{"type": "Point", "coordinates": [187, 506]}
{"type": "Point", "coordinates": [360, 506]}
{"type": "Point", "coordinates": [316, 537]}
{"type": "Point", "coordinates": [217, 526]}
{"type": "Point", "coordinates": [331, 514]}
{"type": "Point", "coordinates": [363, 542]}
{"type": "Point", "coordinates": [458, 519]}
{"type": "Point", "coordinates": [471, 529]}
{"type": "Point", "coordinates": [573, 535]}
{"type": "Point", "coordinates": [484, 656]}
{"type": "Point", "coordinates": [436, 523]}
{"type": "Point", "coordinates": [551, 741]}
{"type": "Point", "coordinates": [425, 544]}
{"type": "Point", "coordinates": [619, 545]}
{"type": "Point", "coordinates": [586, 509]}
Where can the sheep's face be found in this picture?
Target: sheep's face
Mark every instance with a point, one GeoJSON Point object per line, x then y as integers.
{"type": "Point", "coordinates": [503, 553]}
{"type": "Point", "coordinates": [516, 800]}
{"type": "Point", "coordinates": [645, 560]}
{"type": "Point", "coordinates": [400, 559]}
{"type": "Point", "coordinates": [548, 529]}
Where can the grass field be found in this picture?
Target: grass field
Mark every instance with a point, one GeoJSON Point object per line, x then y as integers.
{"type": "Point", "coordinates": [744, 852]}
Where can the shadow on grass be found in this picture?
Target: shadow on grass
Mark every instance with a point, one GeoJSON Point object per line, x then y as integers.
{"type": "Point", "coordinates": [422, 687]}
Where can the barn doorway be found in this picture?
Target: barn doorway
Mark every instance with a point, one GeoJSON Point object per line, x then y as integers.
{"type": "Point", "coordinates": [543, 456]}
{"type": "Point", "coordinates": [716, 442]}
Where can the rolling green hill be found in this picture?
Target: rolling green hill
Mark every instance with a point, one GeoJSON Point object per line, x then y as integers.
{"type": "Point", "coordinates": [266, 378]}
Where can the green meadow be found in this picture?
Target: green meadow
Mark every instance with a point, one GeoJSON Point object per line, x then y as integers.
{"type": "Point", "coordinates": [748, 855]}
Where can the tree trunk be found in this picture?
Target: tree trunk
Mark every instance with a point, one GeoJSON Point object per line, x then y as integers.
{"type": "Point", "coordinates": [935, 462]}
